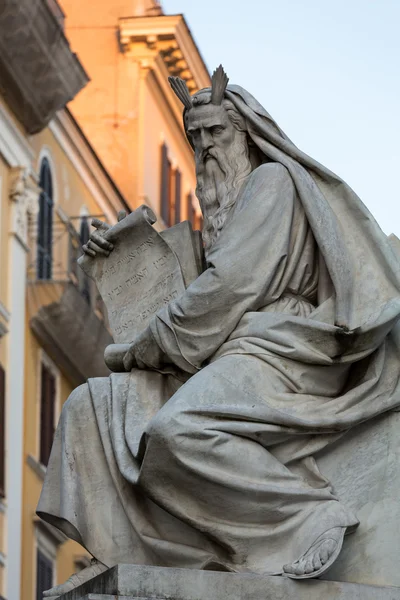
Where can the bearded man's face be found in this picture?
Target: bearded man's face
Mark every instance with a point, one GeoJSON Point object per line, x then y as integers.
{"type": "Point", "coordinates": [222, 162]}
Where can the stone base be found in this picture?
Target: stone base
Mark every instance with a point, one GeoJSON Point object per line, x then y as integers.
{"type": "Point", "coordinates": [130, 582]}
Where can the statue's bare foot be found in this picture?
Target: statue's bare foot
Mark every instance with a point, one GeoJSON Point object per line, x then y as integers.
{"type": "Point", "coordinates": [319, 558]}
{"type": "Point", "coordinates": [95, 568]}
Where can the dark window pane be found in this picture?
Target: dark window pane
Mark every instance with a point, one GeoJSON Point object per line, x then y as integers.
{"type": "Point", "coordinates": [84, 232]}
{"type": "Point", "coordinates": [190, 209]}
{"type": "Point", "coordinates": [165, 186]}
{"type": "Point", "coordinates": [45, 223]}
{"type": "Point", "coordinates": [2, 431]}
{"type": "Point", "coordinates": [178, 179]}
{"type": "Point", "coordinates": [44, 574]}
{"type": "Point", "coordinates": [47, 413]}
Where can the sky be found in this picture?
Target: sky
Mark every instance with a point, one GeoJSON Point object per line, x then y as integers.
{"type": "Point", "coordinates": [327, 71]}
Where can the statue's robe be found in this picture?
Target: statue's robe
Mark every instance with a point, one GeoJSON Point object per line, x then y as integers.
{"type": "Point", "coordinates": [219, 470]}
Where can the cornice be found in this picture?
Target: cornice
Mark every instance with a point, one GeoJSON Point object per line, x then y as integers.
{"type": "Point", "coordinates": [169, 36]}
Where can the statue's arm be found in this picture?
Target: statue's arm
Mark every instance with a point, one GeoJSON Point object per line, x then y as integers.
{"type": "Point", "coordinates": [245, 270]}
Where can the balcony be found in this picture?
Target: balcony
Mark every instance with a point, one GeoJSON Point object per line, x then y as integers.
{"type": "Point", "coordinates": [65, 310]}
{"type": "Point", "coordinates": [38, 72]}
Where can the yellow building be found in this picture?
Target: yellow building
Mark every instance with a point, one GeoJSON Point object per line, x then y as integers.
{"type": "Point", "coordinates": [120, 144]}
{"type": "Point", "coordinates": [128, 110]}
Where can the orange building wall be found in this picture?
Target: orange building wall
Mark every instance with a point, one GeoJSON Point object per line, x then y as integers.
{"type": "Point", "coordinates": [121, 111]}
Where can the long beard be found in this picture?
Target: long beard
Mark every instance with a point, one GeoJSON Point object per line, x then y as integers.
{"type": "Point", "coordinates": [218, 183]}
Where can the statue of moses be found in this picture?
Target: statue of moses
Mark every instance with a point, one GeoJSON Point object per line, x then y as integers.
{"type": "Point", "coordinates": [200, 454]}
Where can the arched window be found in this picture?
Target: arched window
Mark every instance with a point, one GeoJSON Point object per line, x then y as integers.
{"type": "Point", "coordinates": [45, 223]}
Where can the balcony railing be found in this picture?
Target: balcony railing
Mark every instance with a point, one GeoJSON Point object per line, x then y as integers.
{"type": "Point", "coordinates": [65, 308]}
{"type": "Point", "coordinates": [56, 260]}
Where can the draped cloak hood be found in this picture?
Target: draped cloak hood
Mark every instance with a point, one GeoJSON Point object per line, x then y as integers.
{"type": "Point", "coordinates": [360, 264]}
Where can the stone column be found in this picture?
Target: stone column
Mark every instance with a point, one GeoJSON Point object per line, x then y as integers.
{"type": "Point", "coordinates": [23, 195]}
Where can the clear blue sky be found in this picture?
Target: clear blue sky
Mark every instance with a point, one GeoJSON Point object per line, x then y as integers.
{"type": "Point", "coordinates": [327, 71]}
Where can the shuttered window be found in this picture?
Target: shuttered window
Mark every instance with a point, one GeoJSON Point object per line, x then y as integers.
{"type": "Point", "coordinates": [2, 432]}
{"type": "Point", "coordinates": [45, 223]}
{"type": "Point", "coordinates": [178, 178]}
{"type": "Point", "coordinates": [190, 209]}
{"type": "Point", "coordinates": [166, 175]}
{"type": "Point", "coordinates": [44, 574]}
{"type": "Point", "coordinates": [47, 413]}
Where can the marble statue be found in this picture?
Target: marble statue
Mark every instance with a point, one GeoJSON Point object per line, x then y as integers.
{"type": "Point", "coordinates": [201, 453]}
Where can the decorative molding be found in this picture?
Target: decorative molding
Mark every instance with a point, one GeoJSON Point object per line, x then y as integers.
{"type": "Point", "coordinates": [144, 38]}
{"type": "Point", "coordinates": [81, 561]}
{"type": "Point", "coordinates": [54, 535]}
{"type": "Point", "coordinates": [4, 312]}
{"type": "Point", "coordinates": [36, 466]}
{"type": "Point", "coordinates": [24, 194]}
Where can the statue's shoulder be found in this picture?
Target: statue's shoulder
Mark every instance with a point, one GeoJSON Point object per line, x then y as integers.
{"type": "Point", "coordinates": [271, 171]}
{"type": "Point", "coordinates": [269, 176]}
{"type": "Point", "coordinates": [263, 185]}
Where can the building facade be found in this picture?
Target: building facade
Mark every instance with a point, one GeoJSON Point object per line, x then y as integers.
{"type": "Point", "coordinates": [120, 143]}
{"type": "Point", "coordinates": [128, 110]}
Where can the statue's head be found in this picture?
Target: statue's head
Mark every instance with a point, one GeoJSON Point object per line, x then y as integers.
{"type": "Point", "coordinates": [218, 135]}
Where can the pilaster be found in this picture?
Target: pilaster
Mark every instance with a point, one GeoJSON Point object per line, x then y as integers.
{"type": "Point", "coordinates": [24, 197]}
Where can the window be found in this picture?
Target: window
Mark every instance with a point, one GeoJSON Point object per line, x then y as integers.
{"type": "Point", "coordinates": [177, 216]}
{"type": "Point", "coordinates": [2, 431]}
{"type": "Point", "coordinates": [47, 413]}
{"type": "Point", "coordinates": [45, 223]}
{"type": "Point", "coordinates": [166, 172]}
{"type": "Point", "coordinates": [44, 574]}
{"type": "Point", "coordinates": [190, 209]}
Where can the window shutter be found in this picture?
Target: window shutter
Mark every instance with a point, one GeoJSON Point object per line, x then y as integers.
{"type": "Point", "coordinates": [45, 223]}
{"type": "Point", "coordinates": [165, 186]}
{"type": "Point", "coordinates": [190, 210]}
{"type": "Point", "coordinates": [178, 179]}
{"type": "Point", "coordinates": [44, 574]}
{"type": "Point", "coordinates": [47, 414]}
{"type": "Point", "coordinates": [2, 432]}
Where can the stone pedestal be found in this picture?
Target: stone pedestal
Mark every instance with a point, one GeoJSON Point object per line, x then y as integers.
{"type": "Point", "coordinates": [129, 582]}
{"type": "Point", "coordinates": [364, 467]}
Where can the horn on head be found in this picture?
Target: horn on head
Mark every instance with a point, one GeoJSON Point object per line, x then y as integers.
{"type": "Point", "coordinates": [181, 90]}
{"type": "Point", "coordinates": [219, 81]}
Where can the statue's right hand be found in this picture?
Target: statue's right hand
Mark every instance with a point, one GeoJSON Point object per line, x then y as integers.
{"type": "Point", "coordinates": [97, 244]}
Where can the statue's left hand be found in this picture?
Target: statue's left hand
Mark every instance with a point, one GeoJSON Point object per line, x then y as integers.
{"type": "Point", "coordinates": [129, 360]}
{"type": "Point", "coordinates": [144, 353]}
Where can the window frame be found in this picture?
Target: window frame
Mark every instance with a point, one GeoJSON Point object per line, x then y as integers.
{"type": "Point", "coordinates": [43, 359]}
{"type": "Point", "coordinates": [45, 221]}
{"type": "Point", "coordinates": [3, 408]}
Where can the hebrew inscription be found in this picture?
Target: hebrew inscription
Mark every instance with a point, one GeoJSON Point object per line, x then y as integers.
{"type": "Point", "coordinates": [140, 275]}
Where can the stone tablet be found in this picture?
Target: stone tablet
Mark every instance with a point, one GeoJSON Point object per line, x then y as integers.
{"type": "Point", "coordinates": [142, 273]}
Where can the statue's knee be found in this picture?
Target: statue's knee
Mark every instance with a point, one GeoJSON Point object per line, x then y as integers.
{"type": "Point", "coordinates": [170, 427]}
